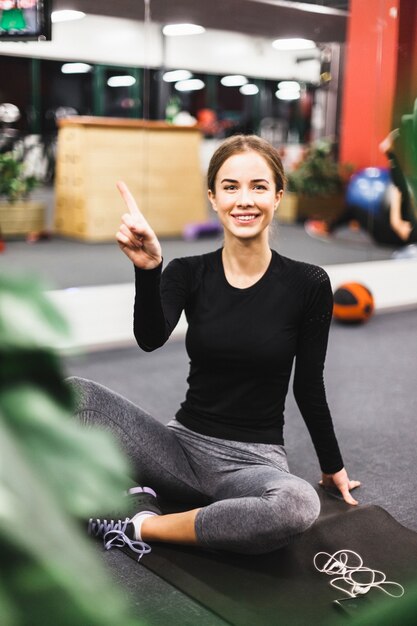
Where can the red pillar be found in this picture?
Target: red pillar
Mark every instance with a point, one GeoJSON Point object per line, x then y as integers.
{"type": "Point", "coordinates": [370, 81]}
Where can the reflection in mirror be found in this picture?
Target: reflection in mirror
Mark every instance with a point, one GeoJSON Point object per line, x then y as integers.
{"type": "Point", "coordinates": [246, 78]}
{"type": "Point", "coordinates": [327, 100]}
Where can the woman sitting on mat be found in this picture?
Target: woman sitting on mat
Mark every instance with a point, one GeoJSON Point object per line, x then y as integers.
{"type": "Point", "coordinates": [250, 311]}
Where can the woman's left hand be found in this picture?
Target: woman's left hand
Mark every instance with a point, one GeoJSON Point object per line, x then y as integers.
{"type": "Point", "coordinates": [340, 480]}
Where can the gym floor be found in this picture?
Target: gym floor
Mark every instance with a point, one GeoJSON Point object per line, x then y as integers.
{"type": "Point", "coordinates": [370, 381]}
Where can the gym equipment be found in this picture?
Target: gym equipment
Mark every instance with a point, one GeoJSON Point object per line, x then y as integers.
{"type": "Point", "coordinates": [368, 190]}
{"type": "Point", "coordinates": [201, 229]}
{"type": "Point", "coordinates": [353, 303]}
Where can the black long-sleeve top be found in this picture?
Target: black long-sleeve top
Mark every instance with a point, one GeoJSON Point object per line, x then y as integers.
{"type": "Point", "coordinates": [242, 344]}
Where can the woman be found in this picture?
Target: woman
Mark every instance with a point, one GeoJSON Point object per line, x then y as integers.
{"type": "Point", "coordinates": [249, 311]}
{"type": "Point", "coordinates": [402, 218]}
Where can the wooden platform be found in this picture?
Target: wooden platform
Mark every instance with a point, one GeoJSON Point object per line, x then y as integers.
{"type": "Point", "coordinates": [159, 162]}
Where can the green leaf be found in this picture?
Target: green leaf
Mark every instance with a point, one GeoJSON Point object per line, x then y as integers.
{"type": "Point", "coordinates": [318, 173]}
{"type": "Point", "coordinates": [28, 318]}
{"type": "Point", "coordinates": [14, 184]}
{"type": "Point", "coordinates": [53, 472]}
{"type": "Point", "coordinates": [48, 550]}
{"type": "Point", "coordinates": [83, 467]}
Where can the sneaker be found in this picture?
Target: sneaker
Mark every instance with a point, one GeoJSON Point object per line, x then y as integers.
{"type": "Point", "coordinates": [317, 229]}
{"type": "Point", "coordinates": [407, 252]}
{"type": "Point", "coordinates": [142, 500]}
{"type": "Point", "coordinates": [118, 533]}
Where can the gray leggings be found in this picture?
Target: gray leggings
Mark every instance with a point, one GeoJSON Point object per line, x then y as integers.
{"type": "Point", "coordinates": [250, 502]}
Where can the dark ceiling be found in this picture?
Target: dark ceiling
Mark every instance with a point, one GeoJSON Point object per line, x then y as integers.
{"type": "Point", "coordinates": [266, 18]}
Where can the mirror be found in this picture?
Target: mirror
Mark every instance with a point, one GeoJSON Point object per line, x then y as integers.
{"type": "Point", "coordinates": [238, 75]}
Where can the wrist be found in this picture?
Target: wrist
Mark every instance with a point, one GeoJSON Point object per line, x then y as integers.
{"type": "Point", "coordinates": [149, 267]}
{"type": "Point", "coordinates": [331, 472]}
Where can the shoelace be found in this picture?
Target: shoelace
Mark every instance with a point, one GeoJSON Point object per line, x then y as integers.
{"type": "Point", "coordinates": [349, 569]}
{"type": "Point", "coordinates": [114, 535]}
{"type": "Point", "coordinates": [118, 539]}
{"type": "Point", "coordinates": [99, 527]}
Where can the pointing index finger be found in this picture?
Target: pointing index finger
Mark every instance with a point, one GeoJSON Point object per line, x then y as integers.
{"type": "Point", "coordinates": [129, 199]}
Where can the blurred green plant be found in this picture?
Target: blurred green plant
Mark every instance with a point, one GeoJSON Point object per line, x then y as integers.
{"type": "Point", "coordinates": [14, 183]}
{"type": "Point", "coordinates": [53, 474]}
{"type": "Point", "coordinates": [388, 611]}
{"type": "Point", "coordinates": [318, 172]}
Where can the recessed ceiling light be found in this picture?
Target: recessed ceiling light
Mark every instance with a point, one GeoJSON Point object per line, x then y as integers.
{"type": "Point", "coordinates": [293, 44]}
{"type": "Point", "coordinates": [289, 84]}
{"type": "Point", "coordinates": [175, 30]}
{"type": "Point", "coordinates": [75, 68]}
{"type": "Point", "coordinates": [121, 81]}
{"type": "Point", "coordinates": [66, 16]}
{"type": "Point", "coordinates": [175, 75]}
{"type": "Point", "coordinates": [249, 90]}
{"type": "Point", "coordinates": [193, 84]}
{"type": "Point", "coordinates": [287, 94]}
{"type": "Point", "coordinates": [234, 80]}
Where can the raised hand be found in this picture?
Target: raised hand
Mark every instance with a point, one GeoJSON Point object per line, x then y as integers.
{"type": "Point", "coordinates": [135, 237]}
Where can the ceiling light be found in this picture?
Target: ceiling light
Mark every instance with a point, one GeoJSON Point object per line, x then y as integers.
{"type": "Point", "coordinates": [293, 44]}
{"type": "Point", "coordinates": [121, 81]}
{"type": "Point", "coordinates": [310, 8]}
{"type": "Point", "coordinates": [175, 30]}
{"type": "Point", "coordinates": [176, 75]}
{"type": "Point", "coordinates": [66, 16]}
{"type": "Point", "coordinates": [287, 94]}
{"type": "Point", "coordinates": [249, 89]}
{"type": "Point", "coordinates": [194, 84]}
{"type": "Point", "coordinates": [234, 80]}
{"type": "Point", "coordinates": [75, 68]}
{"type": "Point", "coordinates": [289, 84]}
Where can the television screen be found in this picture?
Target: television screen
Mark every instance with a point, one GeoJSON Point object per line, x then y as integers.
{"type": "Point", "coordinates": [25, 20]}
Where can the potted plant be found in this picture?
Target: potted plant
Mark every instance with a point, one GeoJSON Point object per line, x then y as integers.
{"type": "Point", "coordinates": [18, 215]}
{"type": "Point", "coordinates": [316, 186]}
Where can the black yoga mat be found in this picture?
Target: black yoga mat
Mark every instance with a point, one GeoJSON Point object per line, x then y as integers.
{"type": "Point", "coordinates": [283, 588]}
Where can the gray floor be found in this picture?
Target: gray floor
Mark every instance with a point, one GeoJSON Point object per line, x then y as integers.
{"type": "Point", "coordinates": [62, 263]}
{"type": "Point", "coordinates": [370, 381]}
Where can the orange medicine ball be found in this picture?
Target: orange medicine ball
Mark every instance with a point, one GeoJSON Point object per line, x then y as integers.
{"type": "Point", "coordinates": [353, 303]}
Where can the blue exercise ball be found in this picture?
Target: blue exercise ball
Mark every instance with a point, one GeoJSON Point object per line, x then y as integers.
{"type": "Point", "coordinates": [368, 189]}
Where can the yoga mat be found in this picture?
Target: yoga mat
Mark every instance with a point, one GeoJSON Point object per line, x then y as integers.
{"type": "Point", "coordinates": [283, 588]}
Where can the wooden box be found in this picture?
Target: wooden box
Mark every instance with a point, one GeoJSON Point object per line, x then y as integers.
{"type": "Point", "coordinates": [159, 162]}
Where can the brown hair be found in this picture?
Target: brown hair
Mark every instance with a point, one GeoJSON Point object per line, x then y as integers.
{"type": "Point", "coordinates": [246, 143]}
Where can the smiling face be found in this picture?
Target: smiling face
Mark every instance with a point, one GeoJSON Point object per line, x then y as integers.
{"type": "Point", "coordinates": [245, 195]}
